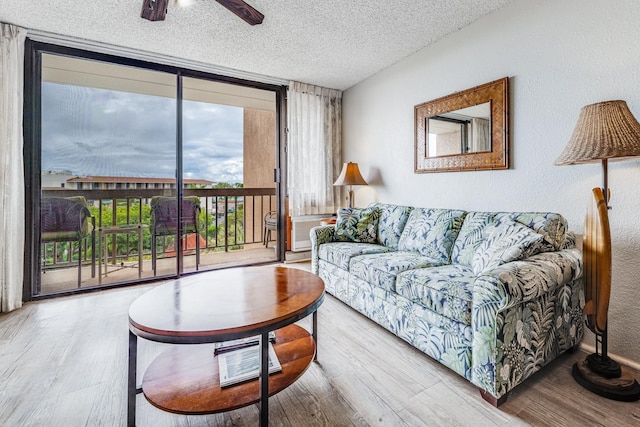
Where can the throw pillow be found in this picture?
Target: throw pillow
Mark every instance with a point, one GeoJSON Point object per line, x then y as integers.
{"type": "Point", "coordinates": [357, 225]}
{"type": "Point", "coordinates": [431, 233]}
{"type": "Point", "coordinates": [505, 240]}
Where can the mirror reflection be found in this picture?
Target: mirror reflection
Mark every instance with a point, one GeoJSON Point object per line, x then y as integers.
{"type": "Point", "coordinates": [467, 130]}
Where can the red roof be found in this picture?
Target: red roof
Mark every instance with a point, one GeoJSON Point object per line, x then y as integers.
{"type": "Point", "coordinates": [188, 245]}
{"type": "Point", "coordinates": [132, 179]}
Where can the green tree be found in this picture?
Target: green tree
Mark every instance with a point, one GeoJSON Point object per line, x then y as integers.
{"type": "Point", "coordinates": [223, 184]}
{"type": "Point", "coordinates": [234, 225]}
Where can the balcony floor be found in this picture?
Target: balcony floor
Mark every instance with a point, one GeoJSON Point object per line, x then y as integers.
{"type": "Point", "coordinates": [66, 278]}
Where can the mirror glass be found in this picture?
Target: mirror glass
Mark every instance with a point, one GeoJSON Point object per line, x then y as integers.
{"type": "Point", "coordinates": [464, 131]}
{"type": "Point", "coordinates": [467, 130]}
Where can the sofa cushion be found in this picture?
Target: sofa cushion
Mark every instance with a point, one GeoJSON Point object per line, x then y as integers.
{"type": "Point", "coordinates": [552, 226]}
{"type": "Point", "coordinates": [470, 237]}
{"type": "Point", "coordinates": [339, 253]}
{"type": "Point", "coordinates": [447, 290]}
{"type": "Point", "coordinates": [382, 269]}
{"type": "Point", "coordinates": [357, 225]}
{"type": "Point", "coordinates": [393, 219]}
{"type": "Point", "coordinates": [505, 241]}
{"type": "Point", "coordinates": [432, 233]}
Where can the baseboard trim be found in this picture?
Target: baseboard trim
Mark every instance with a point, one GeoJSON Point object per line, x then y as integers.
{"type": "Point", "coordinates": [294, 261]}
{"type": "Point", "coordinates": [621, 360]}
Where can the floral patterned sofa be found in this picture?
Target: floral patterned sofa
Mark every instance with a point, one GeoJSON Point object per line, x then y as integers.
{"type": "Point", "coordinates": [494, 296]}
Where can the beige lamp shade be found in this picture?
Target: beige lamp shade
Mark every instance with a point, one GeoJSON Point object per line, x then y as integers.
{"type": "Point", "coordinates": [606, 130]}
{"type": "Point", "coordinates": [350, 175]}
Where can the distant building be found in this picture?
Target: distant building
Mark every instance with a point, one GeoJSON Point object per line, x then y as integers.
{"type": "Point", "coordinates": [64, 179]}
{"type": "Point", "coordinates": [55, 179]}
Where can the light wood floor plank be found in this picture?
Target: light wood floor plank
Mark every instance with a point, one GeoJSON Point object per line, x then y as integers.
{"type": "Point", "coordinates": [63, 362]}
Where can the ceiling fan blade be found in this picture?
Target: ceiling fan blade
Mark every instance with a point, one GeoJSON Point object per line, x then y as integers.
{"type": "Point", "coordinates": [243, 10]}
{"type": "Point", "coordinates": [154, 10]}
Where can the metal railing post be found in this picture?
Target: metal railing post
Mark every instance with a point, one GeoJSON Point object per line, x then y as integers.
{"type": "Point", "coordinates": [226, 224]}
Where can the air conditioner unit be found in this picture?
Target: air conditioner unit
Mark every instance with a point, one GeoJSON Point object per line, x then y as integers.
{"type": "Point", "coordinates": [300, 228]}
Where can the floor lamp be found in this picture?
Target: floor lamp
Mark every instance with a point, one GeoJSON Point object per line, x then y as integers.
{"type": "Point", "coordinates": [350, 175]}
{"type": "Point", "coordinates": [606, 130]}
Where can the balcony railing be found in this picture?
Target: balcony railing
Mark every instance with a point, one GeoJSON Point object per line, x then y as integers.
{"type": "Point", "coordinates": [230, 219]}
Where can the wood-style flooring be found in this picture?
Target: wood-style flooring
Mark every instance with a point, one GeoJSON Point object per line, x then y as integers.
{"type": "Point", "coordinates": [63, 362]}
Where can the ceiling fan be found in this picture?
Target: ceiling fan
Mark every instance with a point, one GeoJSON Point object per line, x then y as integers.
{"type": "Point", "coordinates": [156, 10]}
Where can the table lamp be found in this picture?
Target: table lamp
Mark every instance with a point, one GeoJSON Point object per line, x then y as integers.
{"type": "Point", "coordinates": [605, 130]}
{"type": "Point", "coordinates": [350, 175]}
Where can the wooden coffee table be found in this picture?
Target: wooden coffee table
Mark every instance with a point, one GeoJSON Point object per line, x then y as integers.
{"type": "Point", "coordinates": [219, 306]}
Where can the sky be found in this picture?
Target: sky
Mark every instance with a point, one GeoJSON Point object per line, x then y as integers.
{"type": "Point", "coordinates": [100, 132]}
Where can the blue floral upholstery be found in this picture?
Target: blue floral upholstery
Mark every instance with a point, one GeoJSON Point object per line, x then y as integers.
{"type": "Point", "coordinates": [336, 280]}
{"type": "Point", "coordinates": [447, 290]}
{"type": "Point", "coordinates": [470, 237]}
{"type": "Point", "coordinates": [383, 268]}
{"type": "Point", "coordinates": [391, 224]}
{"type": "Point", "coordinates": [320, 235]}
{"type": "Point", "coordinates": [495, 326]}
{"type": "Point", "coordinates": [552, 226]}
{"type": "Point", "coordinates": [524, 314]}
{"type": "Point", "coordinates": [340, 253]}
{"type": "Point", "coordinates": [569, 240]}
{"type": "Point", "coordinates": [445, 340]}
{"type": "Point", "coordinates": [504, 241]}
{"type": "Point", "coordinates": [432, 232]}
{"type": "Point", "coordinates": [374, 302]}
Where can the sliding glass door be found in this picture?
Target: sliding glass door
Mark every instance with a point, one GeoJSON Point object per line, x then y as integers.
{"type": "Point", "coordinates": [107, 137]}
{"type": "Point", "coordinates": [229, 144]}
{"type": "Point", "coordinates": [146, 173]}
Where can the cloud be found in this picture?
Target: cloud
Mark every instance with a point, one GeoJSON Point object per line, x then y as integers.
{"type": "Point", "coordinates": [93, 131]}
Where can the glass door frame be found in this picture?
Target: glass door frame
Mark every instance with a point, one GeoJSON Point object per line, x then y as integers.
{"type": "Point", "coordinates": [32, 150]}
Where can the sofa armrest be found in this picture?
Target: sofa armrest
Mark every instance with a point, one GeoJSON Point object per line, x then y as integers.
{"type": "Point", "coordinates": [520, 281]}
{"type": "Point", "coordinates": [319, 235]}
{"type": "Point", "coordinates": [524, 314]}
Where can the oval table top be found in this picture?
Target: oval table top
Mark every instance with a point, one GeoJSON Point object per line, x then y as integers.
{"type": "Point", "coordinates": [225, 304]}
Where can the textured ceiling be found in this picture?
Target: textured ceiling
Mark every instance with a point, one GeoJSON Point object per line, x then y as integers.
{"type": "Point", "coordinates": [331, 43]}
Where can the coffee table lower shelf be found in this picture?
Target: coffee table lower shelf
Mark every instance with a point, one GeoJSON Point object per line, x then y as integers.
{"type": "Point", "coordinates": [185, 380]}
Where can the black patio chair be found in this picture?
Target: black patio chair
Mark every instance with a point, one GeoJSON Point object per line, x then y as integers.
{"type": "Point", "coordinates": [67, 219]}
{"type": "Point", "coordinates": [164, 222]}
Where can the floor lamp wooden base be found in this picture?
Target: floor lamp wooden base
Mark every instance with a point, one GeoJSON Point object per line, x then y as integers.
{"type": "Point", "coordinates": [623, 388]}
{"type": "Point", "coordinates": [598, 372]}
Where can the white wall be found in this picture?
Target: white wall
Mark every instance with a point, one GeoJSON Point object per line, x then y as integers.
{"type": "Point", "coordinates": [559, 55]}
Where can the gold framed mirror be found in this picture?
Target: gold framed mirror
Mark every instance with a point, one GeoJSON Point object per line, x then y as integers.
{"type": "Point", "coordinates": [464, 131]}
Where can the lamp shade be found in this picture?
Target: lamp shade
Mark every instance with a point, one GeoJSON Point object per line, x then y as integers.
{"type": "Point", "coordinates": [605, 130]}
{"type": "Point", "coordinates": [350, 175]}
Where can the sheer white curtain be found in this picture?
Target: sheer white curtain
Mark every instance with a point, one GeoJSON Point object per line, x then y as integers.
{"type": "Point", "coordinates": [480, 135]}
{"type": "Point", "coordinates": [11, 166]}
{"type": "Point", "coordinates": [314, 148]}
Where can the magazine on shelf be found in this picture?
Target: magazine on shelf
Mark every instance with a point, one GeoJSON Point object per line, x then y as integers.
{"type": "Point", "coordinates": [221, 347]}
{"type": "Point", "coordinates": [243, 364]}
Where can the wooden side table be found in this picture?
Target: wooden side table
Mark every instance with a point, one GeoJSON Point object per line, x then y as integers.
{"type": "Point", "coordinates": [103, 232]}
{"type": "Point", "coordinates": [328, 221]}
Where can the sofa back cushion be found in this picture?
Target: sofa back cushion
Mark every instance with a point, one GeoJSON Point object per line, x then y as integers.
{"type": "Point", "coordinates": [552, 226]}
{"type": "Point", "coordinates": [505, 240]}
{"type": "Point", "coordinates": [470, 237]}
{"type": "Point", "coordinates": [391, 223]}
{"type": "Point", "coordinates": [432, 232]}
